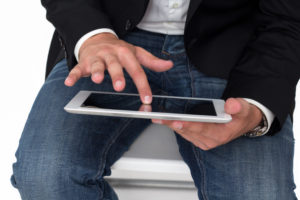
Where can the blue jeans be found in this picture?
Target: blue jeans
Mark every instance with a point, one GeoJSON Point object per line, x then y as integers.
{"type": "Point", "coordinates": [64, 156]}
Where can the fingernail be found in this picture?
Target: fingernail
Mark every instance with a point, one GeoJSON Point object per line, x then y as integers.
{"type": "Point", "coordinates": [118, 84]}
{"type": "Point", "coordinates": [68, 80]}
{"type": "Point", "coordinates": [147, 99]}
{"type": "Point", "coordinates": [157, 121]}
{"type": "Point", "coordinates": [96, 75]}
{"type": "Point", "coordinates": [177, 125]}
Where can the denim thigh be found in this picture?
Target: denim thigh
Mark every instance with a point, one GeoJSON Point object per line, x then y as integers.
{"type": "Point", "coordinates": [247, 168]}
{"type": "Point", "coordinates": [65, 156]}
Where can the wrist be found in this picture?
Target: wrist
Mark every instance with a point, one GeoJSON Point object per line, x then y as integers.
{"type": "Point", "coordinates": [100, 37]}
{"type": "Point", "coordinates": [261, 125]}
{"type": "Point", "coordinates": [265, 111]}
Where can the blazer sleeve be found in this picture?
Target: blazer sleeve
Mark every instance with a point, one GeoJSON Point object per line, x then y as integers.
{"type": "Point", "coordinates": [74, 18]}
{"type": "Point", "coordinates": [269, 69]}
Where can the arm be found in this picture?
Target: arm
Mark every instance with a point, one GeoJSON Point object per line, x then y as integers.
{"type": "Point", "coordinates": [269, 69]}
{"type": "Point", "coordinates": [73, 19]}
{"type": "Point", "coordinates": [267, 73]}
{"type": "Point", "coordinates": [100, 51]}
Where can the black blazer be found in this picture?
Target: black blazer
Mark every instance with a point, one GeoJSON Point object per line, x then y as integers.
{"type": "Point", "coordinates": [255, 44]}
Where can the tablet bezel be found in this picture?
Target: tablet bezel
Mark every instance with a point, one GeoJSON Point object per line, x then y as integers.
{"type": "Point", "coordinates": [74, 106]}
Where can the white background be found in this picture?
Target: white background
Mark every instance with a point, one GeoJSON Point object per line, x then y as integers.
{"type": "Point", "coordinates": [24, 40]}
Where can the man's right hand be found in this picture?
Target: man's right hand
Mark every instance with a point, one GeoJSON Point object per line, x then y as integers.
{"type": "Point", "coordinates": [105, 51]}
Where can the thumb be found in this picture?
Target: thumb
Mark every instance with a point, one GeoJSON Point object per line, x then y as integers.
{"type": "Point", "coordinates": [234, 106]}
{"type": "Point", "coordinates": [152, 62]}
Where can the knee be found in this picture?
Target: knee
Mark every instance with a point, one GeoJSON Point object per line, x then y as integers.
{"type": "Point", "coordinates": [39, 178]}
{"type": "Point", "coordinates": [52, 176]}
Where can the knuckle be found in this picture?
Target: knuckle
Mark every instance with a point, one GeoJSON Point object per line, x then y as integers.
{"type": "Point", "coordinates": [114, 68]}
{"type": "Point", "coordinates": [99, 54]}
{"type": "Point", "coordinates": [96, 65]}
{"type": "Point", "coordinates": [145, 90]}
{"type": "Point", "coordinates": [87, 71]}
{"type": "Point", "coordinates": [115, 74]}
{"type": "Point", "coordinates": [113, 62]}
{"type": "Point", "coordinates": [75, 71]}
{"type": "Point", "coordinates": [123, 50]}
{"type": "Point", "coordinates": [110, 60]}
{"type": "Point", "coordinates": [83, 66]}
{"type": "Point", "coordinates": [115, 77]}
{"type": "Point", "coordinates": [97, 70]}
{"type": "Point", "coordinates": [139, 74]}
{"type": "Point", "coordinates": [84, 70]}
{"type": "Point", "coordinates": [103, 52]}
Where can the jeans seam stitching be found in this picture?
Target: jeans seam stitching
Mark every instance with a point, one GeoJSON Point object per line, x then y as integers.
{"type": "Point", "coordinates": [202, 172]}
{"type": "Point", "coordinates": [102, 164]}
{"type": "Point", "coordinates": [191, 77]}
{"type": "Point", "coordinates": [164, 44]}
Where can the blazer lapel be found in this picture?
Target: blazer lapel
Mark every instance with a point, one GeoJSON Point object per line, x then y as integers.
{"type": "Point", "coordinates": [192, 8]}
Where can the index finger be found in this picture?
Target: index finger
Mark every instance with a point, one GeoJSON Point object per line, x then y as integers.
{"type": "Point", "coordinates": [138, 75]}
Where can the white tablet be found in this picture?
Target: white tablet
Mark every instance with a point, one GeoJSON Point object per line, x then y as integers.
{"type": "Point", "coordinates": [162, 107]}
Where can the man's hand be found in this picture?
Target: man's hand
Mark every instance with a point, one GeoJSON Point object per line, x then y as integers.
{"type": "Point", "coordinates": [206, 136]}
{"type": "Point", "coordinates": [106, 52]}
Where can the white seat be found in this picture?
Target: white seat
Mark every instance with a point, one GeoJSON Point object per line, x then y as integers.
{"type": "Point", "coordinates": [153, 162]}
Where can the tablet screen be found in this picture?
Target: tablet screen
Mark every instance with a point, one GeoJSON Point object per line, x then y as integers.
{"type": "Point", "coordinates": [120, 101]}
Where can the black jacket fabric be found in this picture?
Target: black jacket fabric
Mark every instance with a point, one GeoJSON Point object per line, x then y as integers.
{"type": "Point", "coordinates": [255, 44]}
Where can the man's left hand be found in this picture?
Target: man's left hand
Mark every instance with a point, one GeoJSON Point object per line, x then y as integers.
{"type": "Point", "coordinates": [206, 136]}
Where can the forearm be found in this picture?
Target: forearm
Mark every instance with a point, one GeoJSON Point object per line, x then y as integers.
{"type": "Point", "coordinates": [269, 69]}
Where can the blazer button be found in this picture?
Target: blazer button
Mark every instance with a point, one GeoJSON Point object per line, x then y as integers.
{"type": "Point", "coordinates": [128, 25]}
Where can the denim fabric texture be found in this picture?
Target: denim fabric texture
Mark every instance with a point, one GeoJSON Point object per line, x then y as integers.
{"type": "Point", "coordinates": [63, 156]}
